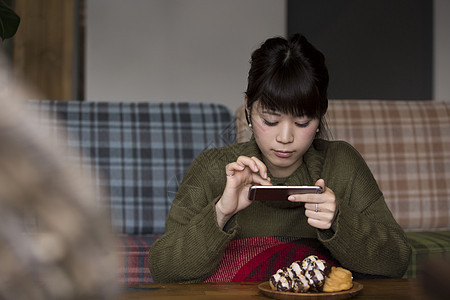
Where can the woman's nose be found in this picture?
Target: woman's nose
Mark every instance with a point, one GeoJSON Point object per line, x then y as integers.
{"type": "Point", "coordinates": [285, 134]}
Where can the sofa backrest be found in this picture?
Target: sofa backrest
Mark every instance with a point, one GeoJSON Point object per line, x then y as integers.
{"type": "Point", "coordinates": [406, 144]}
{"type": "Point", "coordinates": [138, 152]}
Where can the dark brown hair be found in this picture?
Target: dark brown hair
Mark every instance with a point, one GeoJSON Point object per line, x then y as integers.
{"type": "Point", "coordinates": [289, 76]}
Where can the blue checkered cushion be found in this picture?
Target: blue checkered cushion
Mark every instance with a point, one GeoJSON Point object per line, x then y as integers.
{"type": "Point", "coordinates": [138, 152]}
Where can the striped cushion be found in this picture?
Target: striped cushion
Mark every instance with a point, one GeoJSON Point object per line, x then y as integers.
{"type": "Point", "coordinates": [257, 258]}
{"type": "Point", "coordinates": [427, 245]}
{"type": "Point", "coordinates": [138, 152]}
{"type": "Point", "coordinates": [407, 146]}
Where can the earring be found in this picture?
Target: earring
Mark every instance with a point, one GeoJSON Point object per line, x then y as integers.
{"type": "Point", "coordinates": [317, 130]}
{"type": "Point", "coordinates": [248, 119]}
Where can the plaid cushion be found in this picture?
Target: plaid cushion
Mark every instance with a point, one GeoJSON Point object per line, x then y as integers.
{"type": "Point", "coordinates": [427, 245]}
{"type": "Point", "coordinates": [407, 146]}
{"type": "Point", "coordinates": [138, 152]}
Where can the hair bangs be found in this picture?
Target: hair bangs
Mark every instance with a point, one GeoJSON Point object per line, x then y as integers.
{"type": "Point", "coordinates": [292, 91]}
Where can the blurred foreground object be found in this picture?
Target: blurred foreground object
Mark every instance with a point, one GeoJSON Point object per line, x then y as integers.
{"type": "Point", "coordinates": [55, 243]}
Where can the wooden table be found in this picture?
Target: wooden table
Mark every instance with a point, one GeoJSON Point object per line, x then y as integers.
{"type": "Point", "coordinates": [373, 289]}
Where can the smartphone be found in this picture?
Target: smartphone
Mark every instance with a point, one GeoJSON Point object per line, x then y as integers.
{"type": "Point", "coordinates": [280, 192]}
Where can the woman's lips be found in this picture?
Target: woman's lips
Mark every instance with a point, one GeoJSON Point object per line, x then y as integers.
{"type": "Point", "coordinates": [283, 154]}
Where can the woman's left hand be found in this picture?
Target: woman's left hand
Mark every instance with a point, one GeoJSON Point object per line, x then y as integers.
{"type": "Point", "coordinates": [320, 209]}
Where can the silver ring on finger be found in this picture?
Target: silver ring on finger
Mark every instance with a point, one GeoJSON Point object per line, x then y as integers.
{"type": "Point", "coordinates": [317, 208]}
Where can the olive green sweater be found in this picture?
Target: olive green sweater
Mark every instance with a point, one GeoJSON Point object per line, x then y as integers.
{"type": "Point", "coordinates": [367, 238]}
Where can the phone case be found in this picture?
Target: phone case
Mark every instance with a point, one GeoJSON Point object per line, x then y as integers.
{"type": "Point", "coordinates": [279, 193]}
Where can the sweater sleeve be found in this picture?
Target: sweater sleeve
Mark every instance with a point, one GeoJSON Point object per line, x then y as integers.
{"type": "Point", "coordinates": [193, 243]}
{"type": "Point", "coordinates": [367, 239]}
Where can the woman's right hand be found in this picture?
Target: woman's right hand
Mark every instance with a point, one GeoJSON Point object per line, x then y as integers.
{"type": "Point", "coordinates": [240, 176]}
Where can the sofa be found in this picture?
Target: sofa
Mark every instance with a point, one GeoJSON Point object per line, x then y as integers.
{"type": "Point", "coordinates": [138, 152]}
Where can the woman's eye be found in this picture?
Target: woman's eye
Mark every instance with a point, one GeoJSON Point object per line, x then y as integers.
{"type": "Point", "coordinates": [303, 124]}
{"type": "Point", "coordinates": [269, 123]}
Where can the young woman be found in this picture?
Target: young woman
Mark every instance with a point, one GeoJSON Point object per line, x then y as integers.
{"type": "Point", "coordinates": [285, 101]}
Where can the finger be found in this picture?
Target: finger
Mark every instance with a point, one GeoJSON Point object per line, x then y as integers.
{"type": "Point", "coordinates": [320, 224]}
{"type": "Point", "coordinates": [307, 198]}
{"type": "Point", "coordinates": [324, 207]}
{"type": "Point", "coordinates": [319, 215]}
{"type": "Point", "coordinates": [311, 207]}
{"type": "Point", "coordinates": [261, 166]}
{"type": "Point", "coordinates": [321, 183]}
{"type": "Point", "coordinates": [232, 167]}
{"type": "Point", "coordinates": [254, 164]}
{"type": "Point", "coordinates": [325, 217]}
{"type": "Point", "coordinates": [257, 179]}
{"type": "Point", "coordinates": [247, 161]}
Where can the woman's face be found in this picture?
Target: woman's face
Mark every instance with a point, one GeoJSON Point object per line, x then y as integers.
{"type": "Point", "coordinates": [283, 139]}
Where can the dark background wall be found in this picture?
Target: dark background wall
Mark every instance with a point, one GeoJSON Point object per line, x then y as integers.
{"type": "Point", "coordinates": [375, 49]}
